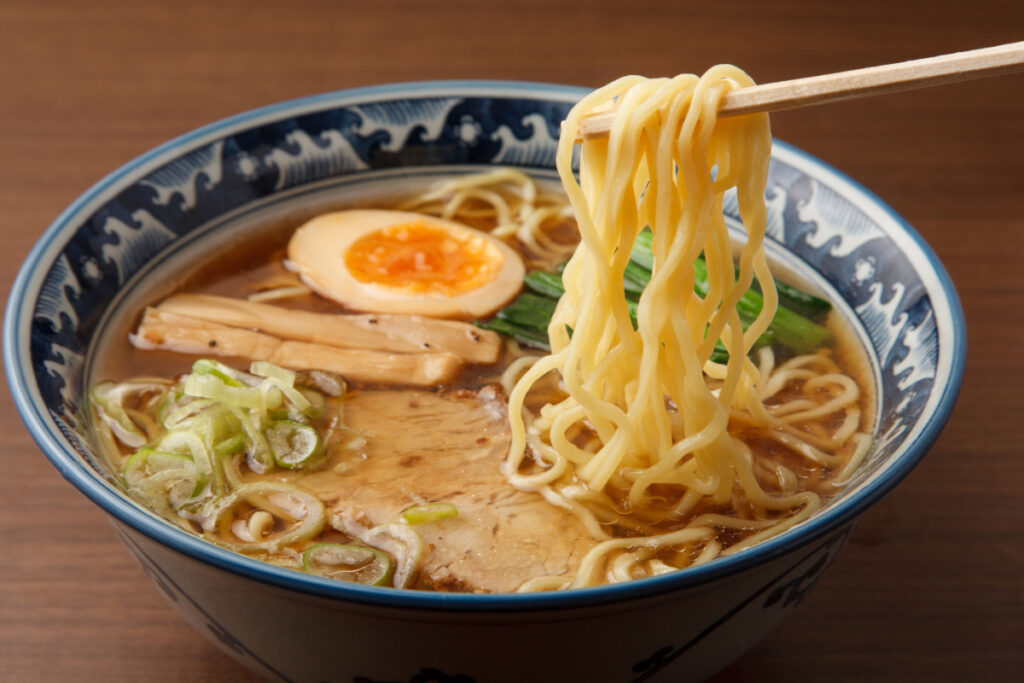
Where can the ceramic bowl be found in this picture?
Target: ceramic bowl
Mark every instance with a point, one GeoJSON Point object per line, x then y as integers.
{"type": "Point", "coordinates": [284, 625]}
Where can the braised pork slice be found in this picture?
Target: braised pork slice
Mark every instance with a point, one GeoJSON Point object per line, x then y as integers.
{"type": "Point", "coordinates": [424, 447]}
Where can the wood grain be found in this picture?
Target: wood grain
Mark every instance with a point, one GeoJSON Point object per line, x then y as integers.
{"type": "Point", "coordinates": [931, 586]}
{"type": "Point", "coordinates": [986, 62]}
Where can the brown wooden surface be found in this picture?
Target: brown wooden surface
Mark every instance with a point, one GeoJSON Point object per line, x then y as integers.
{"type": "Point", "coordinates": [931, 586]}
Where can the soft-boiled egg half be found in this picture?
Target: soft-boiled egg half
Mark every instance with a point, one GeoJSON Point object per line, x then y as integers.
{"type": "Point", "coordinates": [401, 262]}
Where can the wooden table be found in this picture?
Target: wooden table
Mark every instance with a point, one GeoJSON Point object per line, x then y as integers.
{"type": "Point", "coordinates": [932, 583]}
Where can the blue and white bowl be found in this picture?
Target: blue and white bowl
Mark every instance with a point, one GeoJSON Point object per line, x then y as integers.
{"type": "Point", "coordinates": [220, 180]}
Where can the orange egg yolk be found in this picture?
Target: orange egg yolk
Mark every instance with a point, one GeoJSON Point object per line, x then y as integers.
{"type": "Point", "coordinates": [418, 257]}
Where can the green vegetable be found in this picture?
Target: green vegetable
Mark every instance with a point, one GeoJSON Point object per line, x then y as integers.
{"type": "Point", "coordinates": [295, 515]}
{"type": "Point", "coordinates": [212, 386]}
{"type": "Point", "coordinates": [226, 374]}
{"type": "Point", "coordinates": [269, 370]}
{"type": "Point", "coordinates": [787, 328]}
{"type": "Point", "coordinates": [641, 253]}
{"type": "Point", "coordinates": [110, 399]}
{"type": "Point", "coordinates": [165, 481]}
{"type": "Point", "coordinates": [795, 325]}
{"type": "Point", "coordinates": [528, 336]}
{"type": "Point", "coordinates": [544, 283]}
{"type": "Point", "coordinates": [634, 279]}
{"type": "Point", "coordinates": [529, 310]}
{"type": "Point", "coordinates": [186, 438]}
{"type": "Point", "coordinates": [147, 461]}
{"type": "Point", "coordinates": [353, 563]}
{"type": "Point", "coordinates": [293, 445]}
{"type": "Point", "coordinates": [800, 302]}
{"type": "Point", "coordinates": [317, 403]}
{"type": "Point", "coordinates": [230, 445]}
{"type": "Point", "coordinates": [186, 442]}
{"type": "Point", "coordinates": [429, 512]}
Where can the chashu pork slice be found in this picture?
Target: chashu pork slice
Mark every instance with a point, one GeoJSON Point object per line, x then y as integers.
{"type": "Point", "coordinates": [424, 447]}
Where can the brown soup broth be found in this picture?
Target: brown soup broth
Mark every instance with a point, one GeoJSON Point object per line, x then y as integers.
{"type": "Point", "coordinates": [256, 262]}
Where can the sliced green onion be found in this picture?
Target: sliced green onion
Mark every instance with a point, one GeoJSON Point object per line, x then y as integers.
{"type": "Point", "coordinates": [186, 410]}
{"type": "Point", "coordinates": [429, 512]}
{"type": "Point", "coordinates": [283, 380]}
{"type": "Point", "coordinates": [165, 481]}
{"type": "Point", "coordinates": [211, 386]}
{"type": "Point", "coordinates": [404, 544]}
{"type": "Point", "coordinates": [264, 369]}
{"type": "Point", "coordinates": [109, 398]}
{"type": "Point", "coordinates": [186, 442]}
{"type": "Point", "coordinates": [147, 461]}
{"type": "Point", "coordinates": [169, 404]}
{"type": "Point", "coordinates": [353, 563]}
{"type": "Point", "coordinates": [294, 445]}
{"type": "Point", "coordinates": [274, 390]}
{"type": "Point", "coordinates": [230, 445]}
{"type": "Point", "coordinates": [297, 514]}
{"type": "Point", "coordinates": [258, 454]}
{"type": "Point", "coordinates": [191, 438]}
{"type": "Point", "coordinates": [225, 373]}
{"type": "Point", "coordinates": [211, 421]}
{"type": "Point", "coordinates": [317, 402]}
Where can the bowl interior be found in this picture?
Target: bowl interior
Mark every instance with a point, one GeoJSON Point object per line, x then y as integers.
{"type": "Point", "coordinates": [214, 184]}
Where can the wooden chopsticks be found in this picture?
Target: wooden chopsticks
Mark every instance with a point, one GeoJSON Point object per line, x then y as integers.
{"type": "Point", "coordinates": [875, 80]}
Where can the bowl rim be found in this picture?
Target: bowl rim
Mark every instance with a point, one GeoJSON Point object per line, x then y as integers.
{"type": "Point", "coordinates": [18, 368]}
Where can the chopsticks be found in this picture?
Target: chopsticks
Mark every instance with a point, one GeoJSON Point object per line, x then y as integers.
{"type": "Point", "coordinates": [844, 85]}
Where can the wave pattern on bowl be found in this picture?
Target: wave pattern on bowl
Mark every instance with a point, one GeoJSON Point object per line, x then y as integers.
{"type": "Point", "coordinates": [822, 225]}
{"type": "Point", "coordinates": [822, 221]}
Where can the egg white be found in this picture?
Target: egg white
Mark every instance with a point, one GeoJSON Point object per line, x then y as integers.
{"type": "Point", "coordinates": [317, 252]}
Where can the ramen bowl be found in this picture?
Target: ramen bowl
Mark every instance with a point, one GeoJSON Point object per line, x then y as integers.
{"type": "Point", "coordinates": [189, 195]}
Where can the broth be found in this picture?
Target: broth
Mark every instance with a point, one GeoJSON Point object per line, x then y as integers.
{"type": "Point", "coordinates": [408, 445]}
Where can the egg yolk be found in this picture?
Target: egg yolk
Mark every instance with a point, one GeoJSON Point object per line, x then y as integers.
{"type": "Point", "coordinates": [418, 257]}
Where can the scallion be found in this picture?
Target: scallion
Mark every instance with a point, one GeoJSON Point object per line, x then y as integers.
{"type": "Point", "coordinates": [293, 445]}
{"type": "Point", "coordinates": [429, 512]}
{"type": "Point", "coordinates": [352, 563]}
